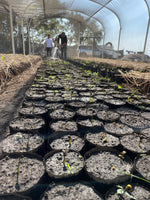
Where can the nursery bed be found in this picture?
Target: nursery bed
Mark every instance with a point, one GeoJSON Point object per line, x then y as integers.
{"type": "Point", "coordinates": [75, 110]}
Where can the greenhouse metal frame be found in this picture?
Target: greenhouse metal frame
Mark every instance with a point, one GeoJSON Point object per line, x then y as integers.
{"type": "Point", "coordinates": [112, 15]}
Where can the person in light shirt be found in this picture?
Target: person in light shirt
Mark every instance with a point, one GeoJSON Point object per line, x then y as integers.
{"type": "Point", "coordinates": [48, 45]}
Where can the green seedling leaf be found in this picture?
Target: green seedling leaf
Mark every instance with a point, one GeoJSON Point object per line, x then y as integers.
{"type": "Point", "coordinates": [143, 154]}
{"type": "Point", "coordinates": [105, 140]}
{"type": "Point", "coordinates": [68, 166]}
{"type": "Point", "coordinates": [2, 57]}
{"type": "Point", "coordinates": [143, 179]}
{"type": "Point", "coordinates": [95, 73]}
{"type": "Point", "coordinates": [119, 87]}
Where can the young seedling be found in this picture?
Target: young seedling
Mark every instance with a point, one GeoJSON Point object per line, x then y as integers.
{"type": "Point", "coordinates": [106, 114]}
{"type": "Point", "coordinates": [130, 100]}
{"type": "Point", "coordinates": [55, 92]}
{"type": "Point", "coordinates": [18, 171]}
{"type": "Point", "coordinates": [71, 169]}
{"type": "Point", "coordinates": [140, 140]}
{"type": "Point", "coordinates": [91, 99]}
{"type": "Point", "coordinates": [122, 154]}
{"type": "Point", "coordinates": [120, 87]}
{"type": "Point", "coordinates": [64, 110]}
{"type": "Point", "coordinates": [2, 57]}
{"type": "Point", "coordinates": [64, 157]}
{"type": "Point", "coordinates": [18, 168]}
{"type": "Point", "coordinates": [127, 190]}
{"type": "Point", "coordinates": [28, 141]}
{"type": "Point", "coordinates": [69, 140]}
{"type": "Point", "coordinates": [64, 126]}
{"type": "Point", "coordinates": [104, 138]}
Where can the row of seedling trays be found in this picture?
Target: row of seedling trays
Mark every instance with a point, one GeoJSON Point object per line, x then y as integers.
{"type": "Point", "coordinates": [75, 137]}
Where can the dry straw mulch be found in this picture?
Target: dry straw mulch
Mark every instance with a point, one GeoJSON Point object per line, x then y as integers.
{"type": "Point", "coordinates": [120, 63]}
{"type": "Point", "coordinates": [13, 65]}
{"type": "Point", "coordinates": [14, 86]}
{"type": "Point", "coordinates": [136, 74]}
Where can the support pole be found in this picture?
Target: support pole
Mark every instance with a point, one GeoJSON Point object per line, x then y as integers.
{"type": "Point", "coordinates": [32, 43]}
{"type": "Point", "coordinates": [146, 36]}
{"type": "Point", "coordinates": [11, 27]}
{"type": "Point", "coordinates": [93, 47]}
{"type": "Point", "coordinates": [147, 31]}
{"type": "Point", "coordinates": [78, 40]}
{"type": "Point", "coordinates": [103, 45]}
{"type": "Point", "coordinates": [119, 39]}
{"type": "Point", "coordinates": [28, 27]}
{"type": "Point", "coordinates": [23, 44]}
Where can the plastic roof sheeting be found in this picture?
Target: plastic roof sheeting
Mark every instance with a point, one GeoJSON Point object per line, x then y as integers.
{"type": "Point", "coordinates": [124, 22]}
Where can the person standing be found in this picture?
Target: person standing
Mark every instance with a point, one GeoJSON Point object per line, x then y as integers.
{"type": "Point", "coordinates": [63, 38]}
{"type": "Point", "coordinates": [48, 45]}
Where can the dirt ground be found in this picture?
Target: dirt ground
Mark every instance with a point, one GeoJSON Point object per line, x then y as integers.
{"type": "Point", "coordinates": [13, 95]}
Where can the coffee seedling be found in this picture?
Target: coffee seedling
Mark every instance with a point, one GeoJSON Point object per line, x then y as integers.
{"type": "Point", "coordinates": [126, 191]}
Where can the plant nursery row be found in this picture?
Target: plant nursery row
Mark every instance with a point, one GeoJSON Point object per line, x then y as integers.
{"type": "Point", "coordinates": [78, 135]}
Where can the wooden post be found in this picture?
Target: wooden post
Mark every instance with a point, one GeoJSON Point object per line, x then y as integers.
{"type": "Point", "coordinates": [28, 27]}
{"type": "Point", "coordinates": [11, 28]}
{"type": "Point", "coordinates": [23, 44]}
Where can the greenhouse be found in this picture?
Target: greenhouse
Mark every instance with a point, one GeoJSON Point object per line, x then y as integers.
{"type": "Point", "coordinates": [125, 24]}
{"type": "Point", "coordinates": [74, 99]}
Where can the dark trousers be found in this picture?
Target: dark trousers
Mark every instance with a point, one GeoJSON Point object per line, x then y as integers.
{"type": "Point", "coordinates": [49, 51]}
{"type": "Point", "coordinates": [64, 53]}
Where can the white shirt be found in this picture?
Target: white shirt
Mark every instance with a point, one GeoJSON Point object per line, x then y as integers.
{"type": "Point", "coordinates": [48, 42]}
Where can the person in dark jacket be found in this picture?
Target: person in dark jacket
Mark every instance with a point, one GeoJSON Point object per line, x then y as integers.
{"type": "Point", "coordinates": [63, 38]}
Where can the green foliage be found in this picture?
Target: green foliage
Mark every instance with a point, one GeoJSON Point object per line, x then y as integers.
{"type": "Point", "coordinates": [47, 26]}
{"type": "Point", "coordinates": [95, 73]}
{"type": "Point", "coordinates": [143, 179]}
{"type": "Point", "coordinates": [71, 169]}
{"type": "Point", "coordinates": [88, 72]}
{"type": "Point", "coordinates": [2, 57]}
{"type": "Point", "coordinates": [120, 87]}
